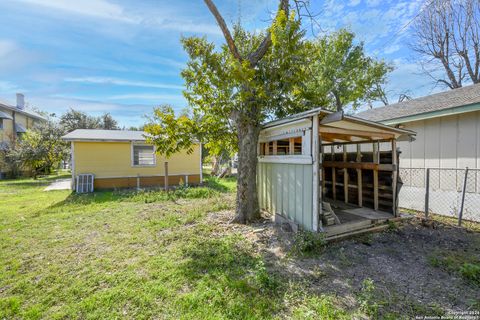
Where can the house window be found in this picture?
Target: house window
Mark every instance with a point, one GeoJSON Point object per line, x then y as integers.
{"type": "Point", "coordinates": [143, 155]}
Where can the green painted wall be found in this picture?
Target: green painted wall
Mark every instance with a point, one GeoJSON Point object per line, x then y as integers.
{"type": "Point", "coordinates": [286, 189]}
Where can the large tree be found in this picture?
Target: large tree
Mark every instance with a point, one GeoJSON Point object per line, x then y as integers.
{"type": "Point", "coordinates": [232, 91]}
{"type": "Point", "coordinates": [447, 37]}
{"type": "Point", "coordinates": [341, 73]}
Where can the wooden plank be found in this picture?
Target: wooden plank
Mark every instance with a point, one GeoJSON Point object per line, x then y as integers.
{"type": "Point", "coordinates": [334, 184]}
{"type": "Point", "coordinates": [376, 159]}
{"type": "Point", "coordinates": [267, 148]}
{"type": "Point", "coordinates": [358, 133]}
{"type": "Point", "coordinates": [394, 177]}
{"type": "Point", "coordinates": [332, 117]}
{"type": "Point", "coordinates": [359, 165]}
{"type": "Point", "coordinates": [375, 189]}
{"type": "Point", "coordinates": [345, 175]}
{"type": "Point", "coordinates": [274, 148]}
{"type": "Point", "coordinates": [291, 145]}
{"type": "Point", "coordinates": [316, 205]}
{"type": "Point", "coordinates": [359, 177]}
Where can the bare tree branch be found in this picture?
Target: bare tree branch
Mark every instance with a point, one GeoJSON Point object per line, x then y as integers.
{"type": "Point", "coordinates": [226, 32]}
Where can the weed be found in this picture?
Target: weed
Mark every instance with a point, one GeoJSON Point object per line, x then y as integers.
{"type": "Point", "coordinates": [470, 271]}
{"type": "Point", "coordinates": [307, 242]}
{"type": "Point", "coordinates": [367, 298]}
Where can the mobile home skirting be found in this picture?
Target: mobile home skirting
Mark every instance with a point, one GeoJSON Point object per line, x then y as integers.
{"type": "Point", "coordinates": [146, 181]}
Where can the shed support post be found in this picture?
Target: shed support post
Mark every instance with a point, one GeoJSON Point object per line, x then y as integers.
{"type": "Point", "coordinates": [334, 176]}
{"type": "Point", "coordinates": [345, 175]}
{"type": "Point", "coordinates": [316, 205]}
{"type": "Point", "coordinates": [359, 177]}
{"type": "Point", "coordinates": [394, 177]}
{"type": "Point", "coordinates": [376, 159]}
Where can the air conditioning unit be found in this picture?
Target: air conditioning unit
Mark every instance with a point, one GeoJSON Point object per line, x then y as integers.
{"type": "Point", "coordinates": [84, 183]}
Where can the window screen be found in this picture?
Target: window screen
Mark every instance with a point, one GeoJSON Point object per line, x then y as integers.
{"type": "Point", "coordinates": [143, 156]}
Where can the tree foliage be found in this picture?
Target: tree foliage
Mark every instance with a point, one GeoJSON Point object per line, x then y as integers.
{"type": "Point", "coordinates": [75, 119]}
{"type": "Point", "coordinates": [41, 149]}
{"type": "Point", "coordinates": [341, 73]}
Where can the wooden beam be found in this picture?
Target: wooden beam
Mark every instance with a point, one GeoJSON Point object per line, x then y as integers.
{"type": "Point", "coordinates": [274, 148]}
{"type": "Point", "coordinates": [359, 165]}
{"type": "Point", "coordinates": [345, 175]}
{"type": "Point", "coordinates": [359, 177]}
{"type": "Point", "coordinates": [317, 204]}
{"type": "Point", "coordinates": [291, 145]}
{"type": "Point", "coordinates": [332, 117]}
{"type": "Point", "coordinates": [394, 178]}
{"type": "Point", "coordinates": [267, 148]}
{"type": "Point", "coordinates": [336, 137]}
{"type": "Point", "coordinates": [359, 133]}
{"type": "Point", "coordinates": [376, 160]}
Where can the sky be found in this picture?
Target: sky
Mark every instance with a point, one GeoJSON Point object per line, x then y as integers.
{"type": "Point", "coordinates": [124, 56]}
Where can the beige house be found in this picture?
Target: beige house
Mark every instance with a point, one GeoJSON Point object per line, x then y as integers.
{"type": "Point", "coordinates": [447, 126]}
{"type": "Point", "coordinates": [14, 121]}
{"type": "Point", "coordinates": [447, 142]}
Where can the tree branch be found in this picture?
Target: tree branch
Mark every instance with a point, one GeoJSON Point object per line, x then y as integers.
{"type": "Point", "coordinates": [223, 26]}
{"type": "Point", "coordinates": [258, 54]}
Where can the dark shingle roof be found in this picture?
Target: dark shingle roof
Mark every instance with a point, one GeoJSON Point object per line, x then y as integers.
{"type": "Point", "coordinates": [104, 135]}
{"type": "Point", "coordinates": [26, 112]}
{"type": "Point", "coordinates": [435, 102]}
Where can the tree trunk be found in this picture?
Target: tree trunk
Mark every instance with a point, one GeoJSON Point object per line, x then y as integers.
{"type": "Point", "coordinates": [247, 198]}
{"type": "Point", "coordinates": [216, 165]}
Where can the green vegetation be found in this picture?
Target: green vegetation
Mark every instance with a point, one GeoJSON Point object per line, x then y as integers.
{"type": "Point", "coordinates": [120, 254]}
{"type": "Point", "coordinates": [464, 263]}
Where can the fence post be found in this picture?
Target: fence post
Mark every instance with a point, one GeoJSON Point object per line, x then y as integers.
{"type": "Point", "coordinates": [166, 176]}
{"type": "Point", "coordinates": [427, 191]}
{"type": "Point", "coordinates": [464, 189]}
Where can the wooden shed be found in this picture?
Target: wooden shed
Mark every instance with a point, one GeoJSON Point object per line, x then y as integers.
{"type": "Point", "coordinates": [324, 171]}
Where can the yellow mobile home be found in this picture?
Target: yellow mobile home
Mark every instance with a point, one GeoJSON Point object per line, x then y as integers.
{"type": "Point", "coordinates": [123, 159]}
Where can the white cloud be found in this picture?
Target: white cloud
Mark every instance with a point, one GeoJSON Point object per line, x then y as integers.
{"type": "Point", "coordinates": [123, 82]}
{"type": "Point", "coordinates": [103, 9]}
{"type": "Point", "coordinates": [149, 96]}
{"type": "Point", "coordinates": [94, 8]}
{"type": "Point", "coordinates": [12, 57]}
{"type": "Point", "coordinates": [354, 3]}
{"type": "Point", "coordinates": [8, 87]}
{"type": "Point", "coordinates": [391, 49]}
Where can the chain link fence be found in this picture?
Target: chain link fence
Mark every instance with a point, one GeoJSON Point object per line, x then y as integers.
{"type": "Point", "coordinates": [441, 191]}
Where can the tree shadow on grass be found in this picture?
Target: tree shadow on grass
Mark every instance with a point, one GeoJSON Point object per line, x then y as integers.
{"type": "Point", "coordinates": [220, 185]}
{"type": "Point", "coordinates": [228, 280]}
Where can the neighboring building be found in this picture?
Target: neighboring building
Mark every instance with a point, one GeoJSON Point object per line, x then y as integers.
{"type": "Point", "coordinates": [447, 141]}
{"type": "Point", "coordinates": [122, 159]}
{"type": "Point", "coordinates": [447, 126]}
{"type": "Point", "coordinates": [15, 121]}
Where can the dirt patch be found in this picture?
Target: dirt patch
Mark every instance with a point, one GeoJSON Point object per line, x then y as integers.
{"type": "Point", "coordinates": [397, 261]}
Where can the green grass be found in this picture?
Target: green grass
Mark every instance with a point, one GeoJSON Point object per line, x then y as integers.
{"type": "Point", "coordinates": [137, 255]}
{"type": "Point", "coordinates": [464, 263]}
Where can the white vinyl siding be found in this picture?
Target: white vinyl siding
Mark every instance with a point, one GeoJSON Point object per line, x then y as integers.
{"type": "Point", "coordinates": [143, 155]}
